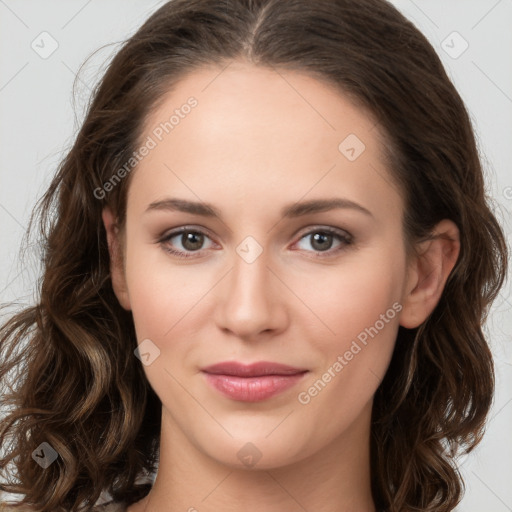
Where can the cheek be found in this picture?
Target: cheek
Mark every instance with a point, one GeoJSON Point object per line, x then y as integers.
{"type": "Point", "coordinates": [356, 296]}
{"type": "Point", "coordinates": [161, 294]}
{"type": "Point", "coordinates": [360, 305]}
{"type": "Point", "coordinates": [168, 304]}
{"type": "Point", "coordinates": [163, 299]}
{"type": "Point", "coordinates": [365, 318]}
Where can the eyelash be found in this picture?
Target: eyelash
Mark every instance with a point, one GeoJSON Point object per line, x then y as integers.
{"type": "Point", "coordinates": [344, 237]}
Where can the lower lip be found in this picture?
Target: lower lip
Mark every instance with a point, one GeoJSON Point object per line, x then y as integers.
{"type": "Point", "coordinates": [252, 389]}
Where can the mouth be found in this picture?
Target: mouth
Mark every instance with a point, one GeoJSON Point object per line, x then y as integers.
{"type": "Point", "coordinates": [254, 382]}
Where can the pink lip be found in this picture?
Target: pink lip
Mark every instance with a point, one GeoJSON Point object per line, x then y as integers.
{"type": "Point", "coordinates": [254, 382]}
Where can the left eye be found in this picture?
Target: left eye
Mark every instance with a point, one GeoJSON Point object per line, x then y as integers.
{"type": "Point", "coordinates": [321, 240]}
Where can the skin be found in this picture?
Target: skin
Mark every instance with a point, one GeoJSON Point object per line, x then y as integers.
{"type": "Point", "coordinates": [257, 141]}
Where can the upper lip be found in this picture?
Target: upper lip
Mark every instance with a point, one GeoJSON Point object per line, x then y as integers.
{"type": "Point", "coordinates": [258, 369]}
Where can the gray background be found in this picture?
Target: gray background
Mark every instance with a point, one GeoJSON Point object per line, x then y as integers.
{"type": "Point", "coordinates": [39, 120]}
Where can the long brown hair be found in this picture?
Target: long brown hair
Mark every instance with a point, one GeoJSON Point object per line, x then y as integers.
{"type": "Point", "coordinates": [67, 366]}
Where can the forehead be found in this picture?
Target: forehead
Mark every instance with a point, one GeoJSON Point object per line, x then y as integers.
{"type": "Point", "coordinates": [253, 97]}
{"type": "Point", "coordinates": [254, 131]}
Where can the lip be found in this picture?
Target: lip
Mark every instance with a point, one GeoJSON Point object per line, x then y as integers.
{"type": "Point", "coordinates": [253, 382]}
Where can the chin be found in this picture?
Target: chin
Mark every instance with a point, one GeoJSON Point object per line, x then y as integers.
{"type": "Point", "coordinates": [256, 448]}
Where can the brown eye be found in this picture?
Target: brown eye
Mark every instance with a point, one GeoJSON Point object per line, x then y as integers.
{"type": "Point", "coordinates": [192, 241]}
{"type": "Point", "coordinates": [323, 240]}
{"type": "Point", "coordinates": [185, 242]}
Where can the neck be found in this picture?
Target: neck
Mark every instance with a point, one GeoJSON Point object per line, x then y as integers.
{"type": "Point", "coordinates": [334, 479]}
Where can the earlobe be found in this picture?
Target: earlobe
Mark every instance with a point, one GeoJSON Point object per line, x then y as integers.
{"type": "Point", "coordinates": [116, 258]}
{"type": "Point", "coordinates": [428, 273]}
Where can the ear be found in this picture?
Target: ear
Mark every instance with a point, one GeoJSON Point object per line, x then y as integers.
{"type": "Point", "coordinates": [428, 272]}
{"type": "Point", "coordinates": [116, 258]}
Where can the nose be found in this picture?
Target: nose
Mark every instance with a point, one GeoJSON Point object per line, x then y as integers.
{"type": "Point", "coordinates": [251, 300]}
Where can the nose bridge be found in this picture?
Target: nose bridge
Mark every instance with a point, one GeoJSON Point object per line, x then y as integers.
{"type": "Point", "coordinates": [250, 270]}
{"type": "Point", "coordinates": [249, 283]}
{"type": "Point", "coordinates": [249, 301]}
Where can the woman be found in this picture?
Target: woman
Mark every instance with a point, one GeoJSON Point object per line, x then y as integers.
{"type": "Point", "coordinates": [266, 276]}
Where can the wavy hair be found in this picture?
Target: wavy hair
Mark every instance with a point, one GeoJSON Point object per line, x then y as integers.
{"type": "Point", "coordinates": [67, 370]}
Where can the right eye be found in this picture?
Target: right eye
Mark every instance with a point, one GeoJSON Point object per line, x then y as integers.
{"type": "Point", "coordinates": [188, 242]}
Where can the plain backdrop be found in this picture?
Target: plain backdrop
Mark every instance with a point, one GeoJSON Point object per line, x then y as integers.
{"type": "Point", "coordinates": [39, 117]}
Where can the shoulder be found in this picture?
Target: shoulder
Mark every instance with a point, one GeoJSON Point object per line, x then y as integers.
{"type": "Point", "coordinates": [106, 507]}
{"type": "Point", "coordinates": [110, 507]}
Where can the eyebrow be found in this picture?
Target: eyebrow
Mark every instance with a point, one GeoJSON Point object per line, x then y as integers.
{"type": "Point", "coordinates": [293, 210]}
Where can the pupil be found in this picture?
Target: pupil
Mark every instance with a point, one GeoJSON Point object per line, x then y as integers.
{"type": "Point", "coordinates": [321, 239]}
{"type": "Point", "coordinates": [192, 241]}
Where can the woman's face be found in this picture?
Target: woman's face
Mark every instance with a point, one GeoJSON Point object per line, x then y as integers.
{"type": "Point", "coordinates": [293, 254]}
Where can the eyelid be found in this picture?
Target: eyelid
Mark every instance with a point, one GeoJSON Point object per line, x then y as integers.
{"type": "Point", "coordinates": [169, 233]}
{"type": "Point", "coordinates": [186, 229]}
{"type": "Point", "coordinates": [343, 233]}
